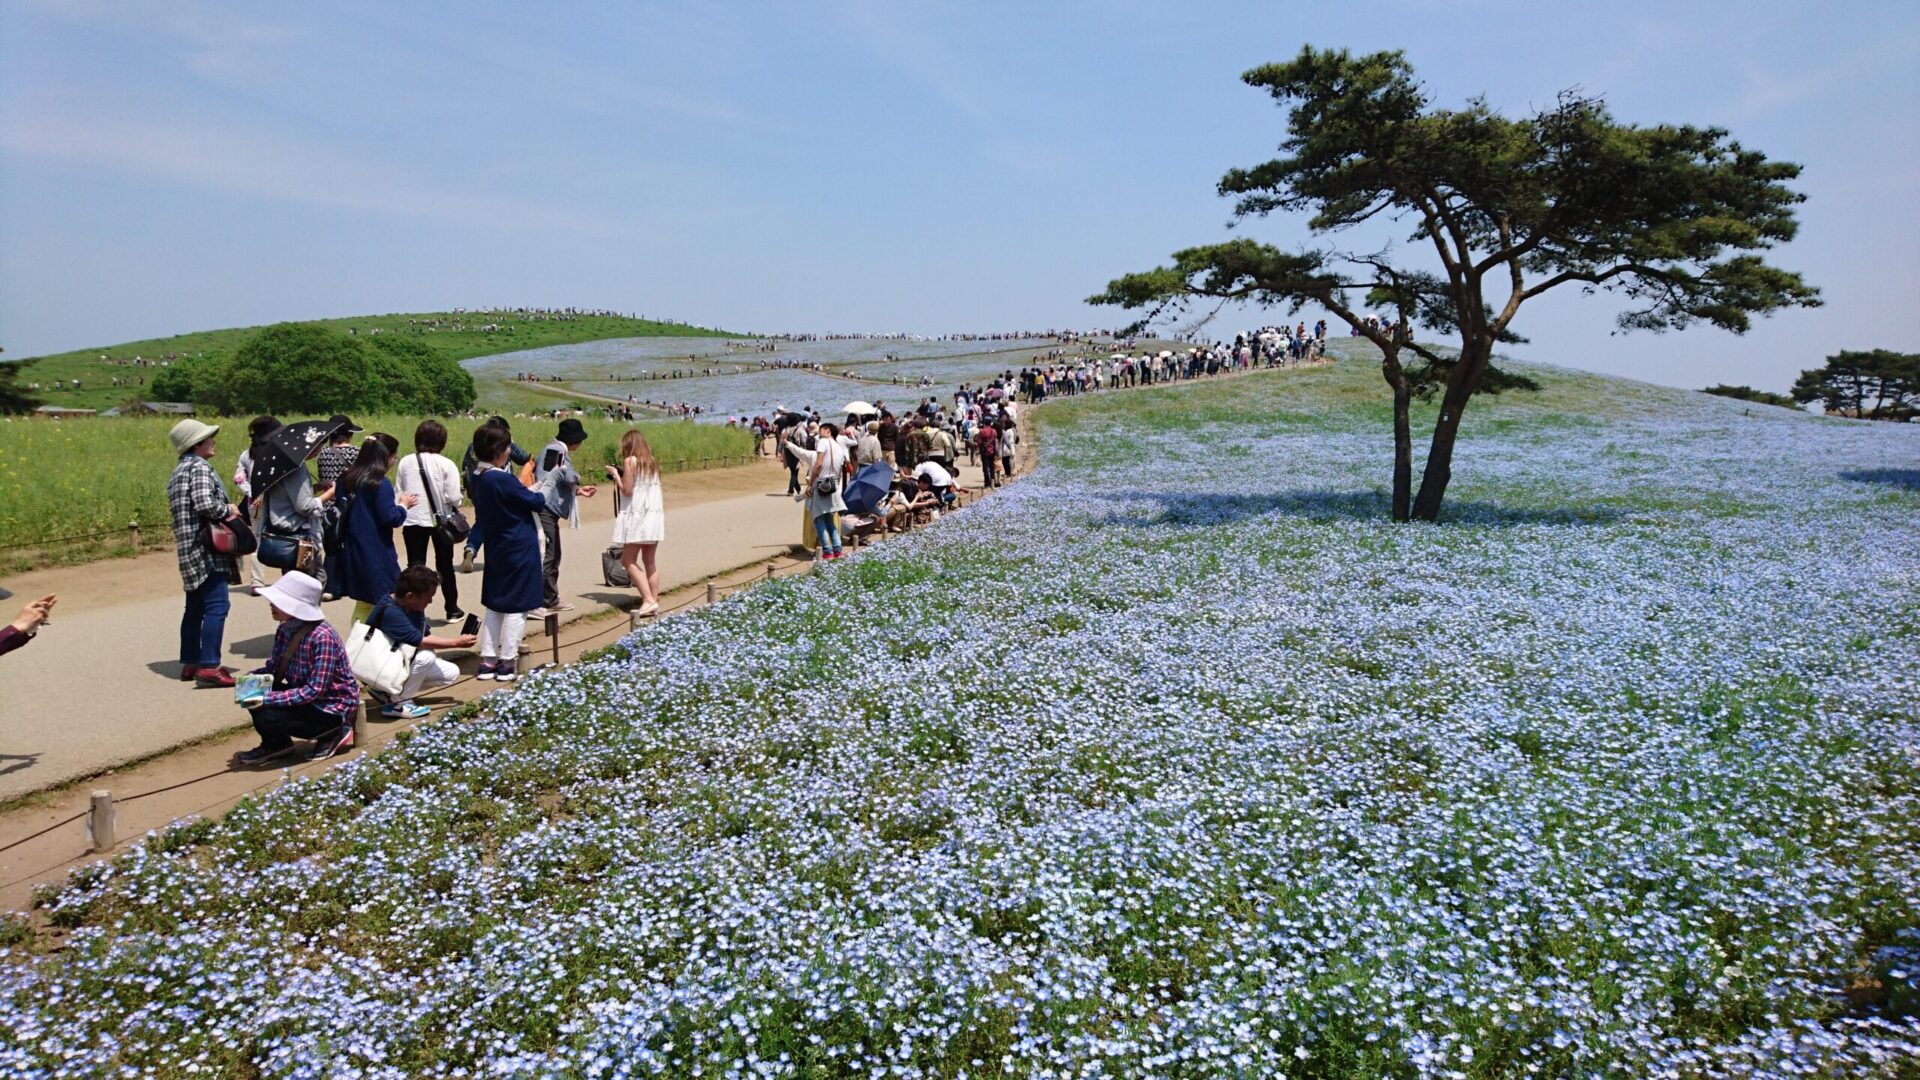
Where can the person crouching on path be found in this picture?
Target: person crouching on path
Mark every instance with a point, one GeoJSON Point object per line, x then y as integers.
{"type": "Point", "coordinates": [314, 693]}
{"type": "Point", "coordinates": [194, 497]}
{"type": "Point", "coordinates": [403, 618]}
{"type": "Point", "coordinates": [510, 582]}
{"type": "Point", "coordinates": [641, 521]}
{"type": "Point", "coordinates": [555, 475]}
{"type": "Point", "coordinates": [369, 512]}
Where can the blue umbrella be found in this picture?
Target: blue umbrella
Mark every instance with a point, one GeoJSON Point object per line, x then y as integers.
{"type": "Point", "coordinates": [869, 486]}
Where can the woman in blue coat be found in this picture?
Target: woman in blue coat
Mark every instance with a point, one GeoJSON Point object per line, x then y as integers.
{"type": "Point", "coordinates": [510, 583]}
{"type": "Point", "coordinates": [369, 513]}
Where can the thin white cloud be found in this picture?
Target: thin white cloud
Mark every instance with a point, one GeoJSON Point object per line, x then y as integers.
{"type": "Point", "coordinates": [919, 55]}
{"type": "Point", "coordinates": [223, 46]}
{"type": "Point", "coordinates": [268, 166]}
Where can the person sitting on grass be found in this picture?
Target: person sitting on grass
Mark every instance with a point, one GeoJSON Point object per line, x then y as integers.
{"type": "Point", "coordinates": [314, 693]}
{"type": "Point", "coordinates": [403, 618]}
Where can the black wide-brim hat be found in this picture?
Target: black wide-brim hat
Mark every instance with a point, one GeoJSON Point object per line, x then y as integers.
{"type": "Point", "coordinates": [572, 431]}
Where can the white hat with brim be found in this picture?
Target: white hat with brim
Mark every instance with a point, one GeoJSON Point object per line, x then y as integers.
{"type": "Point", "coordinates": [190, 433]}
{"type": "Point", "coordinates": [297, 594]}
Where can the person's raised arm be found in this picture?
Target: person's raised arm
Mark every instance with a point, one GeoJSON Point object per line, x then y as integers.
{"type": "Point", "coordinates": [518, 496]}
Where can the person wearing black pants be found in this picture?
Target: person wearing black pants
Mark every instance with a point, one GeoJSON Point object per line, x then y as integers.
{"type": "Point", "coordinates": [555, 475]}
{"type": "Point", "coordinates": [549, 558]}
{"type": "Point", "coordinates": [417, 537]}
{"type": "Point", "coordinates": [278, 726]}
{"type": "Point", "coordinates": [434, 481]}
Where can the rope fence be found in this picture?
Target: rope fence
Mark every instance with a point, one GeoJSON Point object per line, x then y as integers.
{"type": "Point", "coordinates": [712, 593]}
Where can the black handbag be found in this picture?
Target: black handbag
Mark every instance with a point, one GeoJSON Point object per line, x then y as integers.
{"type": "Point", "coordinates": [451, 525]}
{"type": "Point", "coordinates": [288, 552]}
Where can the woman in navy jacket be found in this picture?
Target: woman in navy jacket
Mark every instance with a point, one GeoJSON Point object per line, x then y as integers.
{"type": "Point", "coordinates": [368, 516]}
{"type": "Point", "coordinates": [510, 583]}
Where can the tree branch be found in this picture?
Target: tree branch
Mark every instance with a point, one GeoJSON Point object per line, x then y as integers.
{"type": "Point", "coordinates": [1598, 278]}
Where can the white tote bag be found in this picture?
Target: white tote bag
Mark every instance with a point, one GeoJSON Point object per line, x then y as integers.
{"type": "Point", "coordinates": [379, 662]}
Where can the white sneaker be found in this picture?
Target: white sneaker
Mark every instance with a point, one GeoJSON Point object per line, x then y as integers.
{"type": "Point", "coordinates": [561, 606]}
{"type": "Point", "coordinates": [538, 613]}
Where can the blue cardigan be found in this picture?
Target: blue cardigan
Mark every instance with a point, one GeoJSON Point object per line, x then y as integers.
{"type": "Point", "coordinates": [368, 566]}
{"type": "Point", "coordinates": [504, 507]}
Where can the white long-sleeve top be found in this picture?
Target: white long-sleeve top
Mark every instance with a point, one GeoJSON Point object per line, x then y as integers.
{"type": "Point", "coordinates": [443, 473]}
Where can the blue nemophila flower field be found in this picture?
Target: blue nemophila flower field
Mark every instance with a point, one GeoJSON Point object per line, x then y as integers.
{"type": "Point", "coordinates": [1175, 759]}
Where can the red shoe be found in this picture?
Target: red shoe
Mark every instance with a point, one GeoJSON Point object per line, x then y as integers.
{"type": "Point", "coordinates": [188, 672]}
{"type": "Point", "coordinates": [213, 678]}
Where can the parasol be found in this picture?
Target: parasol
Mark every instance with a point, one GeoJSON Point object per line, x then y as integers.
{"type": "Point", "coordinates": [286, 450]}
{"type": "Point", "coordinates": [868, 487]}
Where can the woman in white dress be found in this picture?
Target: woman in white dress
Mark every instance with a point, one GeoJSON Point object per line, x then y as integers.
{"type": "Point", "coordinates": [641, 522]}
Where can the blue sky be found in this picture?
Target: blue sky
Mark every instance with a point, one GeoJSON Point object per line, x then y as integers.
{"type": "Point", "coordinates": [924, 167]}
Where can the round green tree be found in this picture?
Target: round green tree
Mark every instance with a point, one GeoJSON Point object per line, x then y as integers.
{"type": "Point", "coordinates": [295, 368]}
{"type": "Point", "coordinates": [419, 378]}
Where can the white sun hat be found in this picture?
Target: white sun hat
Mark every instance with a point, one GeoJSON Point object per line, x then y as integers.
{"type": "Point", "coordinates": [297, 594]}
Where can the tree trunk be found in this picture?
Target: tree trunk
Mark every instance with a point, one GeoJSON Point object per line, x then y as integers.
{"type": "Point", "coordinates": [1439, 470]}
{"type": "Point", "coordinates": [1402, 438]}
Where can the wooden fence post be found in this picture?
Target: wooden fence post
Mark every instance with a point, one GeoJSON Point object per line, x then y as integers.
{"type": "Point", "coordinates": [100, 822]}
{"type": "Point", "coordinates": [553, 635]}
{"type": "Point", "coordinates": [133, 533]}
{"type": "Point", "coordinates": [713, 594]}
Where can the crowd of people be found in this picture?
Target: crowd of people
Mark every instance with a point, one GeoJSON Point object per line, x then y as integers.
{"type": "Point", "coordinates": [323, 502]}
{"type": "Point", "coordinates": [330, 533]}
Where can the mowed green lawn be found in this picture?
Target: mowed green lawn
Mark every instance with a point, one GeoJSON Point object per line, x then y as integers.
{"type": "Point", "coordinates": [458, 335]}
{"type": "Point", "coordinates": [65, 478]}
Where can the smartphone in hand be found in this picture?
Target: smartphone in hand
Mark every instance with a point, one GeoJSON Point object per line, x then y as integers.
{"type": "Point", "coordinates": [471, 626]}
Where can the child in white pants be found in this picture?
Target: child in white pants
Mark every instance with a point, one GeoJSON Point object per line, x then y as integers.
{"type": "Point", "coordinates": [500, 633]}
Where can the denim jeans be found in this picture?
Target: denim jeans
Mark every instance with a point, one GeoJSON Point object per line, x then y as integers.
{"type": "Point", "coordinates": [476, 536]}
{"type": "Point", "coordinates": [829, 533]}
{"type": "Point", "coordinates": [204, 624]}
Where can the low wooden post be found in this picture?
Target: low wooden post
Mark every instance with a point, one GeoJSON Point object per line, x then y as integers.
{"type": "Point", "coordinates": [133, 534]}
{"type": "Point", "coordinates": [553, 635]}
{"type": "Point", "coordinates": [633, 619]}
{"type": "Point", "coordinates": [359, 718]}
{"type": "Point", "coordinates": [713, 594]}
{"type": "Point", "coordinates": [100, 822]}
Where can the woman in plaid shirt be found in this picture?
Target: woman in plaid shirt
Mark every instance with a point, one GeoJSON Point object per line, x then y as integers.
{"type": "Point", "coordinates": [314, 693]}
{"type": "Point", "coordinates": [194, 497]}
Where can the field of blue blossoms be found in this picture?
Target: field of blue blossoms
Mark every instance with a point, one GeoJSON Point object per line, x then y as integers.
{"type": "Point", "coordinates": [1174, 759]}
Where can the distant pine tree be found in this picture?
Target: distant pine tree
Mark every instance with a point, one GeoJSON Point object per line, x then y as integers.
{"type": "Point", "coordinates": [1748, 393]}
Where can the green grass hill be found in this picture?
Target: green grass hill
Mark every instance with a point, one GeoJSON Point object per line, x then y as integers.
{"type": "Point", "coordinates": [460, 335]}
